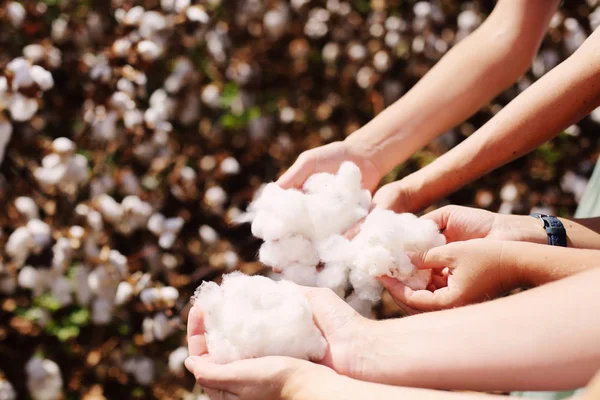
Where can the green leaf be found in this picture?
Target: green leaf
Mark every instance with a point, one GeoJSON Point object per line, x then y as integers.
{"type": "Point", "coordinates": [79, 317]}
{"type": "Point", "coordinates": [48, 302]}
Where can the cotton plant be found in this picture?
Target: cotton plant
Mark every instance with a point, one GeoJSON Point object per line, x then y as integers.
{"type": "Point", "coordinates": [63, 170]}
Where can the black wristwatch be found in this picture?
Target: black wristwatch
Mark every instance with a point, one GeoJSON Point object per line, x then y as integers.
{"type": "Point", "coordinates": [557, 235]}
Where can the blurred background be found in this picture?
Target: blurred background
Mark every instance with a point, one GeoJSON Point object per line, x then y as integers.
{"type": "Point", "coordinates": [133, 132]}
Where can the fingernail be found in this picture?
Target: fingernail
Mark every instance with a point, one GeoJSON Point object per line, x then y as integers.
{"type": "Point", "coordinates": [189, 364]}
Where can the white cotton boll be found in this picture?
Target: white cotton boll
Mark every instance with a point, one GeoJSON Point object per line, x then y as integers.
{"type": "Point", "coordinates": [197, 14]}
{"type": "Point", "coordinates": [208, 234]}
{"type": "Point", "coordinates": [211, 96]}
{"type": "Point", "coordinates": [27, 207]}
{"type": "Point", "coordinates": [174, 224]}
{"type": "Point", "coordinates": [419, 280]}
{"type": "Point", "coordinates": [121, 47]}
{"type": "Point", "coordinates": [41, 234]}
{"type": "Point", "coordinates": [509, 193]}
{"type": "Point", "coordinates": [134, 16]}
{"type": "Point", "coordinates": [215, 196]}
{"type": "Point", "coordinates": [124, 293]}
{"type": "Point", "coordinates": [231, 260]}
{"type": "Point", "coordinates": [133, 118]}
{"type": "Point", "coordinates": [118, 260]}
{"type": "Point", "coordinates": [102, 282]}
{"type": "Point", "coordinates": [62, 253]}
{"type": "Point", "coordinates": [61, 290]}
{"type": "Point", "coordinates": [42, 77]}
{"type": "Point", "coordinates": [83, 292]}
{"type": "Point", "coordinates": [5, 132]}
{"type": "Point", "coordinates": [63, 146]}
{"type": "Point", "coordinates": [141, 368]}
{"type": "Point", "coordinates": [44, 380]}
{"type": "Point", "coordinates": [28, 277]}
{"type": "Point", "coordinates": [288, 252]}
{"type": "Point", "coordinates": [16, 13]}
{"type": "Point", "coordinates": [230, 166]}
{"type": "Point", "coordinates": [275, 23]}
{"type": "Point", "coordinates": [148, 330]}
{"type": "Point", "coordinates": [94, 220]}
{"type": "Point", "coordinates": [149, 50]}
{"type": "Point", "coordinates": [162, 327]}
{"type": "Point", "coordinates": [152, 22]}
{"type": "Point", "coordinates": [249, 317]}
{"type": "Point", "coordinates": [573, 183]}
{"type": "Point", "coordinates": [102, 310]}
{"type": "Point", "coordinates": [176, 360]}
{"type": "Point", "coordinates": [150, 296]}
{"type": "Point", "coordinates": [365, 286]}
{"type": "Point", "coordinates": [156, 224]}
{"type": "Point", "coordinates": [22, 108]}
{"type": "Point", "coordinates": [34, 52]}
{"type": "Point", "coordinates": [167, 240]}
{"type": "Point", "coordinates": [168, 294]}
{"type": "Point", "coordinates": [7, 392]}
{"type": "Point", "coordinates": [110, 209]}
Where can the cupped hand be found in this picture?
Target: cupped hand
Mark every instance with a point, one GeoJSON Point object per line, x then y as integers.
{"type": "Point", "coordinates": [463, 273]}
{"type": "Point", "coordinates": [346, 332]}
{"type": "Point", "coordinates": [253, 379]}
{"type": "Point", "coordinates": [328, 158]}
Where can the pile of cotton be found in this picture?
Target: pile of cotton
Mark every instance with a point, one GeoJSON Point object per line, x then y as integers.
{"type": "Point", "coordinates": [254, 316]}
{"type": "Point", "coordinates": [302, 232]}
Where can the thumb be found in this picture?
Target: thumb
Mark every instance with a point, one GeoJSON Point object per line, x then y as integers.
{"type": "Point", "coordinates": [393, 196]}
{"type": "Point", "coordinates": [432, 258]}
{"type": "Point", "coordinates": [297, 174]}
{"type": "Point", "coordinates": [422, 300]}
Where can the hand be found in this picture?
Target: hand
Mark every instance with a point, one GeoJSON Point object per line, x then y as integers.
{"type": "Point", "coordinates": [395, 196]}
{"type": "Point", "coordinates": [346, 332]}
{"type": "Point", "coordinates": [328, 158]}
{"type": "Point", "coordinates": [463, 223]}
{"type": "Point", "coordinates": [270, 378]}
{"type": "Point", "coordinates": [464, 273]}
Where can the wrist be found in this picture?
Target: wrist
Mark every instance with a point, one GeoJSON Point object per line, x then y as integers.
{"type": "Point", "coordinates": [310, 382]}
{"type": "Point", "coordinates": [521, 228]}
{"type": "Point", "coordinates": [362, 143]}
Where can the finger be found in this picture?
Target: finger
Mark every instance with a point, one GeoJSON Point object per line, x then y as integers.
{"type": "Point", "coordinates": [440, 216]}
{"type": "Point", "coordinates": [439, 281]}
{"type": "Point", "coordinates": [430, 259]}
{"type": "Point", "coordinates": [353, 231]}
{"type": "Point", "coordinates": [296, 175]}
{"type": "Point", "coordinates": [210, 374]}
{"type": "Point", "coordinates": [195, 332]}
{"type": "Point", "coordinates": [422, 300]}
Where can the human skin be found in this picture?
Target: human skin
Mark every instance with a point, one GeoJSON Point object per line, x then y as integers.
{"type": "Point", "coordinates": [495, 55]}
{"type": "Point", "coordinates": [557, 100]}
{"type": "Point", "coordinates": [527, 341]}
{"type": "Point", "coordinates": [476, 270]}
{"type": "Point", "coordinates": [460, 223]}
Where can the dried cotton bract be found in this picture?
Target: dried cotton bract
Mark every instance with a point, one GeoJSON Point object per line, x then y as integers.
{"type": "Point", "coordinates": [253, 316]}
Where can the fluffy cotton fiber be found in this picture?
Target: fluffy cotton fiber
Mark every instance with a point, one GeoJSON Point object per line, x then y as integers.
{"type": "Point", "coordinates": [302, 230]}
{"type": "Point", "coordinates": [254, 316]}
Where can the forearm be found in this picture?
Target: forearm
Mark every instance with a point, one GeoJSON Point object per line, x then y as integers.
{"type": "Point", "coordinates": [469, 76]}
{"type": "Point", "coordinates": [333, 386]}
{"type": "Point", "coordinates": [541, 339]}
{"type": "Point", "coordinates": [535, 264]}
{"type": "Point", "coordinates": [560, 98]}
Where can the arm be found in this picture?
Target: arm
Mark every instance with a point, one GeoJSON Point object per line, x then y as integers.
{"type": "Point", "coordinates": [560, 98]}
{"type": "Point", "coordinates": [541, 339]}
{"type": "Point", "coordinates": [320, 385]}
{"type": "Point", "coordinates": [581, 233]}
{"type": "Point", "coordinates": [467, 77]}
{"type": "Point", "coordinates": [483, 269]}
{"type": "Point", "coordinates": [470, 75]}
